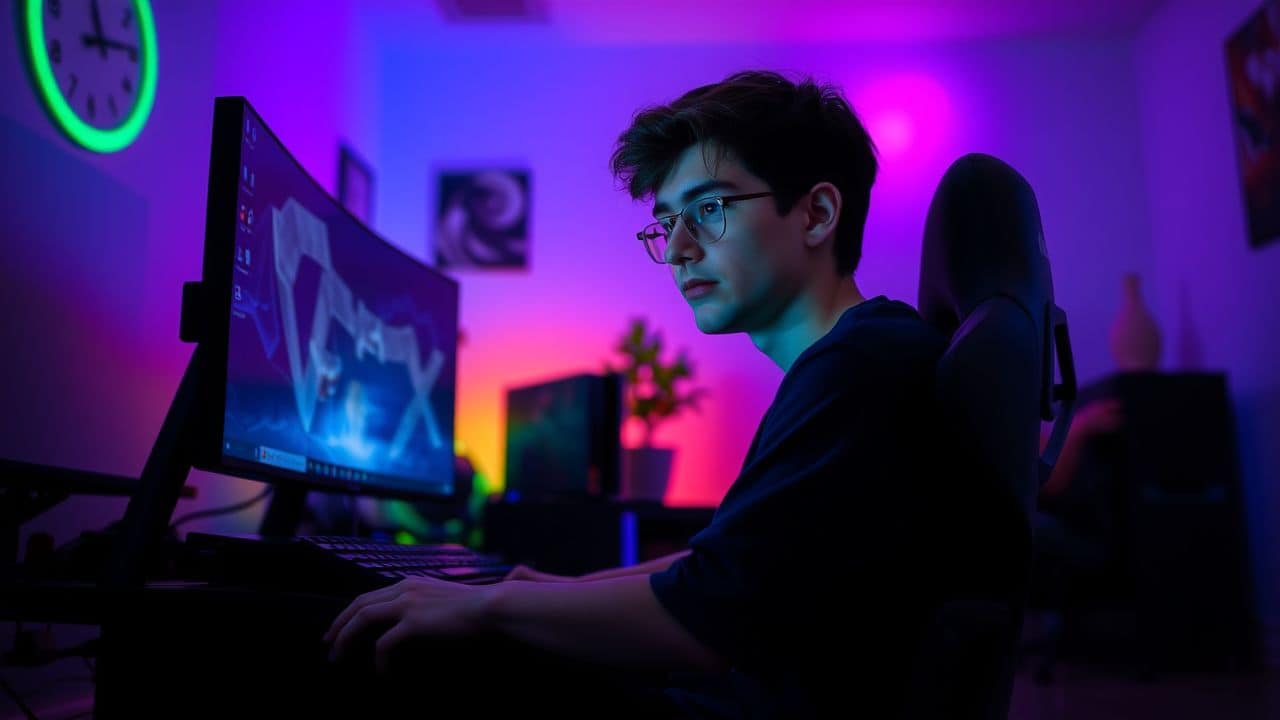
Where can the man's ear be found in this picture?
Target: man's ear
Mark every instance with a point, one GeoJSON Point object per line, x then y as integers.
{"type": "Point", "coordinates": [822, 212]}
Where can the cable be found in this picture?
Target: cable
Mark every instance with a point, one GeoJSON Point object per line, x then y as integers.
{"type": "Point", "coordinates": [17, 700]}
{"type": "Point", "coordinates": [222, 510]}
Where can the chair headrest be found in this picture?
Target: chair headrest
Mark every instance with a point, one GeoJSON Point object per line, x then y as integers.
{"type": "Point", "coordinates": [982, 238]}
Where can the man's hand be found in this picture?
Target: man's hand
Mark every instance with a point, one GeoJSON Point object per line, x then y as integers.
{"type": "Point", "coordinates": [411, 608]}
{"type": "Point", "coordinates": [524, 572]}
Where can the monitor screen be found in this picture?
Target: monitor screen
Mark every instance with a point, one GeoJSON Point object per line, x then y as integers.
{"type": "Point", "coordinates": [340, 349]}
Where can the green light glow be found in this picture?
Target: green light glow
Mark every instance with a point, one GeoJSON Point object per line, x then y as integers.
{"type": "Point", "coordinates": [96, 139]}
{"type": "Point", "coordinates": [402, 514]}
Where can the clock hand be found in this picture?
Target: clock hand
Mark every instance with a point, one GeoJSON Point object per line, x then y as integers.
{"type": "Point", "coordinates": [104, 43]}
{"type": "Point", "coordinates": [97, 27]}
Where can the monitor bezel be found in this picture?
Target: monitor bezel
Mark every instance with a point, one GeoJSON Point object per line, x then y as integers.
{"type": "Point", "coordinates": [219, 255]}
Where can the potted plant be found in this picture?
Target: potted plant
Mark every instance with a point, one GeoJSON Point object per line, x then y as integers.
{"type": "Point", "coordinates": [655, 390]}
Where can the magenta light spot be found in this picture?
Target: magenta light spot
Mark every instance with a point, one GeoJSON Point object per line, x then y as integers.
{"type": "Point", "coordinates": [909, 117]}
{"type": "Point", "coordinates": [892, 132]}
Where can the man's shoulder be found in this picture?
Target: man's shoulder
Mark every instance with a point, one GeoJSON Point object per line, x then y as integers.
{"type": "Point", "coordinates": [879, 333]}
{"type": "Point", "coordinates": [882, 315]}
{"type": "Point", "coordinates": [880, 356]}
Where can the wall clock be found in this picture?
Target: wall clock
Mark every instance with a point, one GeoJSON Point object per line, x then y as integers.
{"type": "Point", "coordinates": [93, 63]}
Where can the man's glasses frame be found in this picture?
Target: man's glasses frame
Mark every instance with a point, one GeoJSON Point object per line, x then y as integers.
{"type": "Point", "coordinates": [661, 229]}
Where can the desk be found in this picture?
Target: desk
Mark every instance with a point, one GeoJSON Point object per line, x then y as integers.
{"type": "Point", "coordinates": [1164, 506]}
{"type": "Point", "coordinates": [180, 649]}
{"type": "Point", "coordinates": [190, 647]}
{"type": "Point", "coordinates": [573, 537]}
{"type": "Point", "coordinates": [194, 650]}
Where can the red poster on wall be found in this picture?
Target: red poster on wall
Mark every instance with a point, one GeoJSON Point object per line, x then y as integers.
{"type": "Point", "coordinates": [1253, 77]}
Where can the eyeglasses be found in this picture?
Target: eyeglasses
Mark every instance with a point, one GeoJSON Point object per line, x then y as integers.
{"type": "Point", "coordinates": [703, 218]}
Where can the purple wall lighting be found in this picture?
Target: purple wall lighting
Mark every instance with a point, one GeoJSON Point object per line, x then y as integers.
{"type": "Point", "coordinates": [1119, 119]}
{"type": "Point", "coordinates": [909, 115]}
{"type": "Point", "coordinates": [1210, 286]}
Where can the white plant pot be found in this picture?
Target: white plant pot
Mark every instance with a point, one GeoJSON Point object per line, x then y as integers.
{"type": "Point", "coordinates": [646, 473]}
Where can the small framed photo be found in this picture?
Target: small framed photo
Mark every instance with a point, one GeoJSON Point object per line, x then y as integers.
{"type": "Point", "coordinates": [482, 219]}
{"type": "Point", "coordinates": [355, 184]}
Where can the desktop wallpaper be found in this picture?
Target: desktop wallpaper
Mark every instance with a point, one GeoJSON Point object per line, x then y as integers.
{"type": "Point", "coordinates": [341, 354]}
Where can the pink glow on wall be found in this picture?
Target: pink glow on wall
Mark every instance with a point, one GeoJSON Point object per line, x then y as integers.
{"type": "Point", "coordinates": [909, 115]}
{"type": "Point", "coordinates": [486, 371]}
{"type": "Point", "coordinates": [528, 355]}
{"type": "Point", "coordinates": [410, 104]}
{"type": "Point", "coordinates": [812, 21]}
{"type": "Point", "coordinates": [925, 106]}
{"type": "Point", "coordinates": [893, 132]}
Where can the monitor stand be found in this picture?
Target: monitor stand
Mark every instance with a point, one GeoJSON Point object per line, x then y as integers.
{"type": "Point", "coordinates": [142, 535]}
{"type": "Point", "coordinates": [284, 511]}
{"type": "Point", "coordinates": [137, 547]}
{"type": "Point", "coordinates": [146, 520]}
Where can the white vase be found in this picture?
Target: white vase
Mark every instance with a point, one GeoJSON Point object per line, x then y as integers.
{"type": "Point", "coordinates": [646, 473]}
{"type": "Point", "coordinates": [1135, 338]}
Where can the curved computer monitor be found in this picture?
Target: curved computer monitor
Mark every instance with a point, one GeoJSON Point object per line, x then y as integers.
{"type": "Point", "coordinates": [330, 356]}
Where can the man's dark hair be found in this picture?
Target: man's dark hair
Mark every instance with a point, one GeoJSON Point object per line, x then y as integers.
{"type": "Point", "coordinates": [792, 136]}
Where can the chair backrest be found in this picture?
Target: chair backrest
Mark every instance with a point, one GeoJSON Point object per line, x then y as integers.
{"type": "Point", "coordinates": [985, 283]}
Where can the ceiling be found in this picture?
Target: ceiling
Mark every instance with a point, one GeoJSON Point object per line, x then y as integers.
{"type": "Point", "coordinates": [797, 21]}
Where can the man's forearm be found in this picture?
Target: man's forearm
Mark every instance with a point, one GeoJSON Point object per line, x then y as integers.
{"type": "Point", "coordinates": [617, 622]}
{"type": "Point", "coordinates": [645, 568]}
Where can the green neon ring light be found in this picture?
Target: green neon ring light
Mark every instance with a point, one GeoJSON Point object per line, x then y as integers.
{"type": "Point", "coordinates": [96, 139]}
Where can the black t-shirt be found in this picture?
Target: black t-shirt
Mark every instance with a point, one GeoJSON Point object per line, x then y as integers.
{"type": "Point", "coordinates": [810, 579]}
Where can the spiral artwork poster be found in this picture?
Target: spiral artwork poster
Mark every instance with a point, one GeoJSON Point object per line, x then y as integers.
{"type": "Point", "coordinates": [482, 219]}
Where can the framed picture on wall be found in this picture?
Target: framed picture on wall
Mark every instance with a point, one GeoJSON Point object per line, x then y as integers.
{"type": "Point", "coordinates": [482, 219]}
{"type": "Point", "coordinates": [355, 184]}
{"type": "Point", "coordinates": [1253, 81]}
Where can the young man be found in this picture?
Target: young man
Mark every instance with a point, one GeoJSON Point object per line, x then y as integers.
{"type": "Point", "coordinates": [761, 188]}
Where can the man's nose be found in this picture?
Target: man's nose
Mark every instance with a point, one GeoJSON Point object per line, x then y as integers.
{"type": "Point", "coordinates": [682, 246]}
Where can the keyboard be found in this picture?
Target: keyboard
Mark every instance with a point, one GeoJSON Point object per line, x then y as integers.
{"type": "Point", "coordinates": [331, 564]}
{"type": "Point", "coordinates": [397, 562]}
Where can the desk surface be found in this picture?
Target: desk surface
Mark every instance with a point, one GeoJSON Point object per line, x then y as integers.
{"type": "Point", "coordinates": [206, 651]}
{"type": "Point", "coordinates": [84, 603]}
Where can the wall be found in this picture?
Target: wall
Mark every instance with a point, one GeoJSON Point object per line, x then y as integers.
{"type": "Point", "coordinates": [415, 102]}
{"type": "Point", "coordinates": [1217, 298]}
{"type": "Point", "coordinates": [1127, 142]}
{"type": "Point", "coordinates": [96, 247]}
{"type": "Point", "coordinates": [1057, 109]}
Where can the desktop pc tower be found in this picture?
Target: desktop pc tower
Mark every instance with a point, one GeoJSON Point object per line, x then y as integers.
{"type": "Point", "coordinates": [563, 438]}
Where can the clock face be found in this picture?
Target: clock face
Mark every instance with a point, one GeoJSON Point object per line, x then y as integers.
{"type": "Point", "coordinates": [94, 62]}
